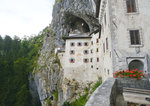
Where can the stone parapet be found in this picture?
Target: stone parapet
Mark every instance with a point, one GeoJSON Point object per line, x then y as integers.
{"type": "Point", "coordinates": [104, 94]}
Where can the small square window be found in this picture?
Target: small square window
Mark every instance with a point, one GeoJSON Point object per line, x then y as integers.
{"type": "Point", "coordinates": [86, 52]}
{"type": "Point", "coordinates": [86, 43]}
{"type": "Point", "coordinates": [72, 52]}
{"type": "Point", "coordinates": [135, 37]}
{"type": "Point", "coordinates": [79, 44]}
{"type": "Point", "coordinates": [72, 60]}
{"type": "Point", "coordinates": [72, 44]}
{"type": "Point", "coordinates": [85, 60]}
{"type": "Point", "coordinates": [91, 42]}
{"type": "Point", "coordinates": [91, 66]}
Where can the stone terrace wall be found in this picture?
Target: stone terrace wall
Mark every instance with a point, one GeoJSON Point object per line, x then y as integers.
{"type": "Point", "coordinates": [132, 83]}
{"type": "Point", "coordinates": [105, 95]}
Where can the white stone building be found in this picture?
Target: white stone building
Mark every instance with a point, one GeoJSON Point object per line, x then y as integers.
{"type": "Point", "coordinates": [124, 35]}
{"type": "Point", "coordinates": [81, 57]}
{"type": "Point", "coordinates": [123, 42]}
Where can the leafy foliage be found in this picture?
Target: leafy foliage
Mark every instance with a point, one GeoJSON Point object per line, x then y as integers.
{"type": "Point", "coordinates": [56, 95]}
{"type": "Point", "coordinates": [79, 102]}
{"type": "Point", "coordinates": [16, 62]}
{"type": "Point", "coordinates": [97, 84]}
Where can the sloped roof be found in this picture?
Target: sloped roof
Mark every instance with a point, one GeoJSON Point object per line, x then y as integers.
{"type": "Point", "coordinates": [78, 36]}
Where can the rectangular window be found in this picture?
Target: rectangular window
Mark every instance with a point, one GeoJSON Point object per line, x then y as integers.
{"type": "Point", "coordinates": [104, 47]}
{"type": "Point", "coordinates": [97, 50]}
{"type": "Point", "coordinates": [91, 60]}
{"type": "Point", "coordinates": [105, 18]}
{"type": "Point", "coordinates": [97, 40]}
{"type": "Point", "coordinates": [91, 42]}
{"type": "Point", "coordinates": [131, 6]}
{"type": "Point", "coordinates": [108, 71]}
{"type": "Point", "coordinates": [97, 59]}
{"type": "Point", "coordinates": [91, 51]}
{"type": "Point", "coordinates": [107, 43]}
{"type": "Point", "coordinates": [135, 37]}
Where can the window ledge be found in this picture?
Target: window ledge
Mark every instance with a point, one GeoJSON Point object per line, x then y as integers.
{"type": "Point", "coordinates": [134, 46]}
{"type": "Point", "coordinates": [132, 13]}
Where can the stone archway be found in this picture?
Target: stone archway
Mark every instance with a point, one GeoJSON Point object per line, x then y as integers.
{"type": "Point", "coordinates": [136, 64]}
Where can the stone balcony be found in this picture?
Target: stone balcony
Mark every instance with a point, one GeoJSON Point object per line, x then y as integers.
{"type": "Point", "coordinates": [121, 92]}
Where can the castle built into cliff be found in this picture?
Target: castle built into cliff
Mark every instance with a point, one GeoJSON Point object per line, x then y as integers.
{"type": "Point", "coordinates": [120, 43]}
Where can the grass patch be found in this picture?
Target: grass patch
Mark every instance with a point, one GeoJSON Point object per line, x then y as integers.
{"type": "Point", "coordinates": [97, 84]}
{"type": "Point", "coordinates": [56, 95]}
{"type": "Point", "coordinates": [48, 101]}
{"type": "Point", "coordinates": [79, 102]}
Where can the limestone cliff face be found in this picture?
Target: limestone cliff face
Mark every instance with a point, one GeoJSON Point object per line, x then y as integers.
{"type": "Point", "coordinates": [48, 74]}
{"type": "Point", "coordinates": [70, 14]}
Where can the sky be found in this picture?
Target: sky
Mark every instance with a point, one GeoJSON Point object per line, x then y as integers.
{"type": "Point", "coordinates": [24, 17]}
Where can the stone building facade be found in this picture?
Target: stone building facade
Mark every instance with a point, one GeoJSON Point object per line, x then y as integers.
{"type": "Point", "coordinates": [123, 42]}
{"type": "Point", "coordinates": [124, 35]}
{"type": "Point", "coordinates": [81, 57]}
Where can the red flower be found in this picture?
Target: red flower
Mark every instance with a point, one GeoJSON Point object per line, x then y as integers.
{"type": "Point", "coordinates": [114, 76]}
{"type": "Point", "coordinates": [134, 75]}
{"type": "Point", "coordinates": [129, 73]}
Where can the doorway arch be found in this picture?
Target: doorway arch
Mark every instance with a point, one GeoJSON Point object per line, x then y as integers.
{"type": "Point", "coordinates": [136, 64]}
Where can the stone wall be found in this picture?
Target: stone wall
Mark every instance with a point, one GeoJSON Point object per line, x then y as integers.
{"type": "Point", "coordinates": [110, 92]}
{"type": "Point", "coordinates": [104, 95]}
{"type": "Point", "coordinates": [116, 25]}
{"type": "Point", "coordinates": [132, 83]}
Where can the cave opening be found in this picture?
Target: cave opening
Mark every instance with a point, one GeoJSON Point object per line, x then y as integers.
{"type": "Point", "coordinates": [76, 24]}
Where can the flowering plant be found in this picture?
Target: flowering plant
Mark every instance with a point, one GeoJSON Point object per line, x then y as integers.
{"type": "Point", "coordinates": [130, 74]}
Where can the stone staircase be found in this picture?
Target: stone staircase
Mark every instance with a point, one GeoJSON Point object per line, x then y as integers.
{"type": "Point", "coordinates": [136, 91]}
{"type": "Point", "coordinates": [134, 95]}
